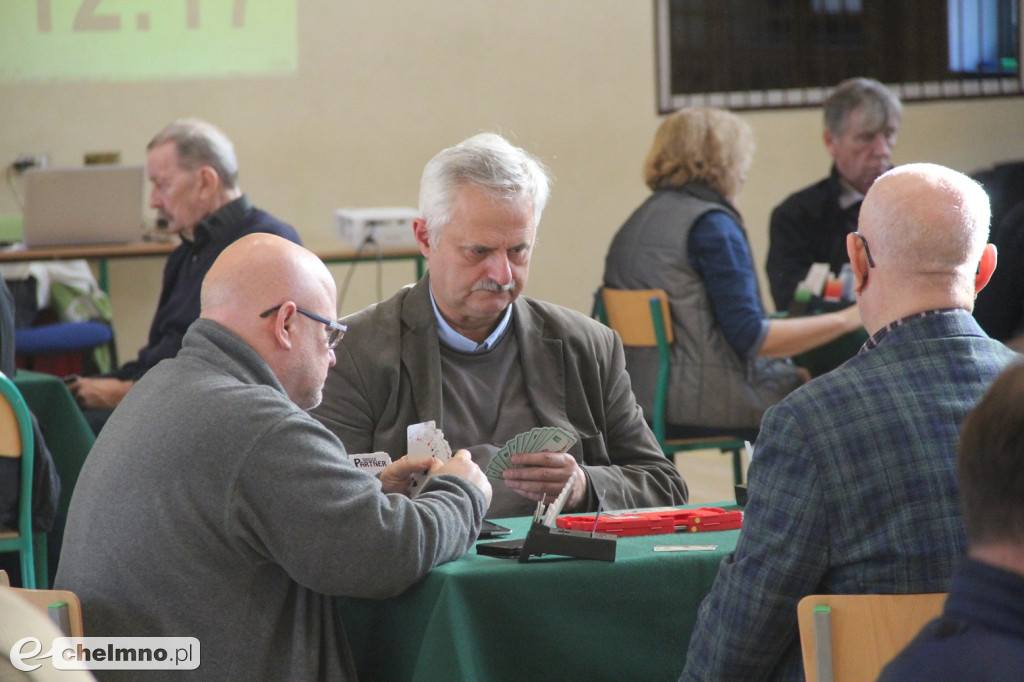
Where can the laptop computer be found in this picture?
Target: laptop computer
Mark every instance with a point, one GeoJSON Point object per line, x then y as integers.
{"type": "Point", "coordinates": [83, 205]}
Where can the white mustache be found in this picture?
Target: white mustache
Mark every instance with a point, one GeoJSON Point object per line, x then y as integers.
{"type": "Point", "coordinates": [491, 285]}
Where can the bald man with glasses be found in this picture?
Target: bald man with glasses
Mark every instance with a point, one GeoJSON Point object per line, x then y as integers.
{"type": "Point", "coordinates": [335, 330]}
{"type": "Point", "coordinates": [214, 506]}
{"type": "Point", "coordinates": [852, 485]}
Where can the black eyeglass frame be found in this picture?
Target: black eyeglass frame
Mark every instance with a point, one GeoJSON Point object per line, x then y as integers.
{"type": "Point", "coordinates": [335, 330]}
{"type": "Point", "coordinates": [867, 250]}
{"type": "Point", "coordinates": [871, 261]}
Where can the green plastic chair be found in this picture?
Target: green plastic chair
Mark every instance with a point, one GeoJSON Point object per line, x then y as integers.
{"type": "Point", "coordinates": [16, 441]}
{"type": "Point", "coordinates": [640, 316]}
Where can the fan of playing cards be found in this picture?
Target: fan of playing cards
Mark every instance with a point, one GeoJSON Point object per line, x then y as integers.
{"type": "Point", "coordinates": [425, 440]}
{"type": "Point", "coordinates": [537, 439]}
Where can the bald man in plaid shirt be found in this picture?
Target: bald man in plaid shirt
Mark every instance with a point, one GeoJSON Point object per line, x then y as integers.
{"type": "Point", "coordinates": [852, 486]}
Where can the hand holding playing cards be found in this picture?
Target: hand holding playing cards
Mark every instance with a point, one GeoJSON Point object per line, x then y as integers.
{"type": "Point", "coordinates": [396, 477]}
{"type": "Point", "coordinates": [462, 466]}
{"type": "Point", "coordinates": [535, 475]}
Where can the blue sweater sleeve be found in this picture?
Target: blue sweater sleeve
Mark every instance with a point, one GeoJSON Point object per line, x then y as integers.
{"type": "Point", "coordinates": [718, 250]}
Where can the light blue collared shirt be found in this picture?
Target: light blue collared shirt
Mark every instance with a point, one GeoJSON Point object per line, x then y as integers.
{"type": "Point", "coordinates": [452, 338]}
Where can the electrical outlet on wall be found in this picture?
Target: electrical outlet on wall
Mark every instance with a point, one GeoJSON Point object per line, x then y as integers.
{"type": "Point", "coordinates": [26, 161]}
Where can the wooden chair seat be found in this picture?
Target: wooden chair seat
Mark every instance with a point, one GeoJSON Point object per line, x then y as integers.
{"type": "Point", "coordinates": [851, 637]}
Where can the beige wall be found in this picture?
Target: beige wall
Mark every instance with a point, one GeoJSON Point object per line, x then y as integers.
{"type": "Point", "coordinates": [384, 85]}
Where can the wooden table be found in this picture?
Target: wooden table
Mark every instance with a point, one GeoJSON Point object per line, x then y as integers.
{"type": "Point", "coordinates": [99, 252]}
{"type": "Point", "coordinates": [347, 255]}
{"type": "Point", "coordinates": [150, 249]}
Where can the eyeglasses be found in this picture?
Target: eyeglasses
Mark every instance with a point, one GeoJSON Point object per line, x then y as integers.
{"type": "Point", "coordinates": [335, 330]}
{"type": "Point", "coordinates": [867, 251]}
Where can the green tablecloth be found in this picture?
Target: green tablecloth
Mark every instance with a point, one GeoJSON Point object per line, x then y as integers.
{"type": "Point", "coordinates": [65, 430]}
{"type": "Point", "coordinates": [483, 618]}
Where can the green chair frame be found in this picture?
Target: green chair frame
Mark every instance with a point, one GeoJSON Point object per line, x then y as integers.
{"type": "Point", "coordinates": [19, 443]}
{"type": "Point", "coordinates": [659, 334]}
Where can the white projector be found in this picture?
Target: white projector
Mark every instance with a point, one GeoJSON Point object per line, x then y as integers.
{"type": "Point", "coordinates": [388, 227]}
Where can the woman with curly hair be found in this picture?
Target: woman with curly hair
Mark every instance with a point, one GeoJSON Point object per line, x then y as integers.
{"type": "Point", "coordinates": [729, 361]}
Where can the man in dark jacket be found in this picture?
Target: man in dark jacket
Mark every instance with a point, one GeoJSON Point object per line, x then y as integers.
{"type": "Point", "coordinates": [862, 118]}
{"type": "Point", "coordinates": [194, 172]}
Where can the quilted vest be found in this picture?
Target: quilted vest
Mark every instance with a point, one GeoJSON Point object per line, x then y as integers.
{"type": "Point", "coordinates": [710, 384]}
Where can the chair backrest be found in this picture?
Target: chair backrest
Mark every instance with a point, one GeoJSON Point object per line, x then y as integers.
{"type": "Point", "coordinates": [632, 314]}
{"type": "Point", "coordinates": [16, 440]}
{"type": "Point", "coordinates": [55, 603]}
{"type": "Point", "coordinates": [851, 637]}
{"type": "Point", "coordinates": [641, 318]}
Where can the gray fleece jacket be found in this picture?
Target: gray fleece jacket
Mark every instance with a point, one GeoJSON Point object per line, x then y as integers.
{"type": "Point", "coordinates": [213, 507]}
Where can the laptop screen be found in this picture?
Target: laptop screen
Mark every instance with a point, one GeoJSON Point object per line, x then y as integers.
{"type": "Point", "coordinates": [83, 205]}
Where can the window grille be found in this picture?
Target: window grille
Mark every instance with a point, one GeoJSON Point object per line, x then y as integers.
{"type": "Point", "coordinates": [753, 54]}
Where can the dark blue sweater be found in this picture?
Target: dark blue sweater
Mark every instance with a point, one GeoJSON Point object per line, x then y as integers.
{"type": "Point", "coordinates": [183, 277]}
{"type": "Point", "coordinates": [979, 636]}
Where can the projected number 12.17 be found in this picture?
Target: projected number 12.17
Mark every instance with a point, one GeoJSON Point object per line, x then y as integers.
{"type": "Point", "coordinates": [90, 16]}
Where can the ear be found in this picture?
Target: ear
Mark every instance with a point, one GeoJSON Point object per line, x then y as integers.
{"type": "Point", "coordinates": [985, 268]}
{"type": "Point", "coordinates": [830, 141]}
{"type": "Point", "coordinates": [282, 329]}
{"type": "Point", "coordinates": [419, 230]}
{"type": "Point", "coordinates": [209, 181]}
{"type": "Point", "coordinates": [858, 262]}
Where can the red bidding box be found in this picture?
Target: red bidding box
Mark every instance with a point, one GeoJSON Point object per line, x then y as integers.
{"type": "Point", "coordinates": [833, 290]}
{"type": "Point", "coordinates": [655, 522]}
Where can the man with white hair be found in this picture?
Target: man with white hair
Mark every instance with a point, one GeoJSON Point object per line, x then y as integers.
{"type": "Point", "coordinates": [462, 348]}
{"type": "Point", "coordinates": [852, 487]}
{"type": "Point", "coordinates": [194, 172]}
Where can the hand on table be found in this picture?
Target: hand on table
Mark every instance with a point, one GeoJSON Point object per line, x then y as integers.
{"type": "Point", "coordinates": [98, 393]}
{"type": "Point", "coordinates": [539, 475]}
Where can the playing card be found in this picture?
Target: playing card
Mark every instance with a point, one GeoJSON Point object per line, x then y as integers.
{"type": "Point", "coordinates": [537, 439]}
{"type": "Point", "coordinates": [425, 440]}
{"type": "Point", "coordinates": [499, 462]}
{"type": "Point", "coordinates": [418, 437]}
{"type": "Point", "coordinates": [556, 440]}
{"type": "Point", "coordinates": [493, 469]}
{"type": "Point", "coordinates": [532, 438]}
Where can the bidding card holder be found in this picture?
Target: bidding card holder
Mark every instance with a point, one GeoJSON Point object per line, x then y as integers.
{"type": "Point", "coordinates": [504, 549]}
{"type": "Point", "coordinates": [544, 538]}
